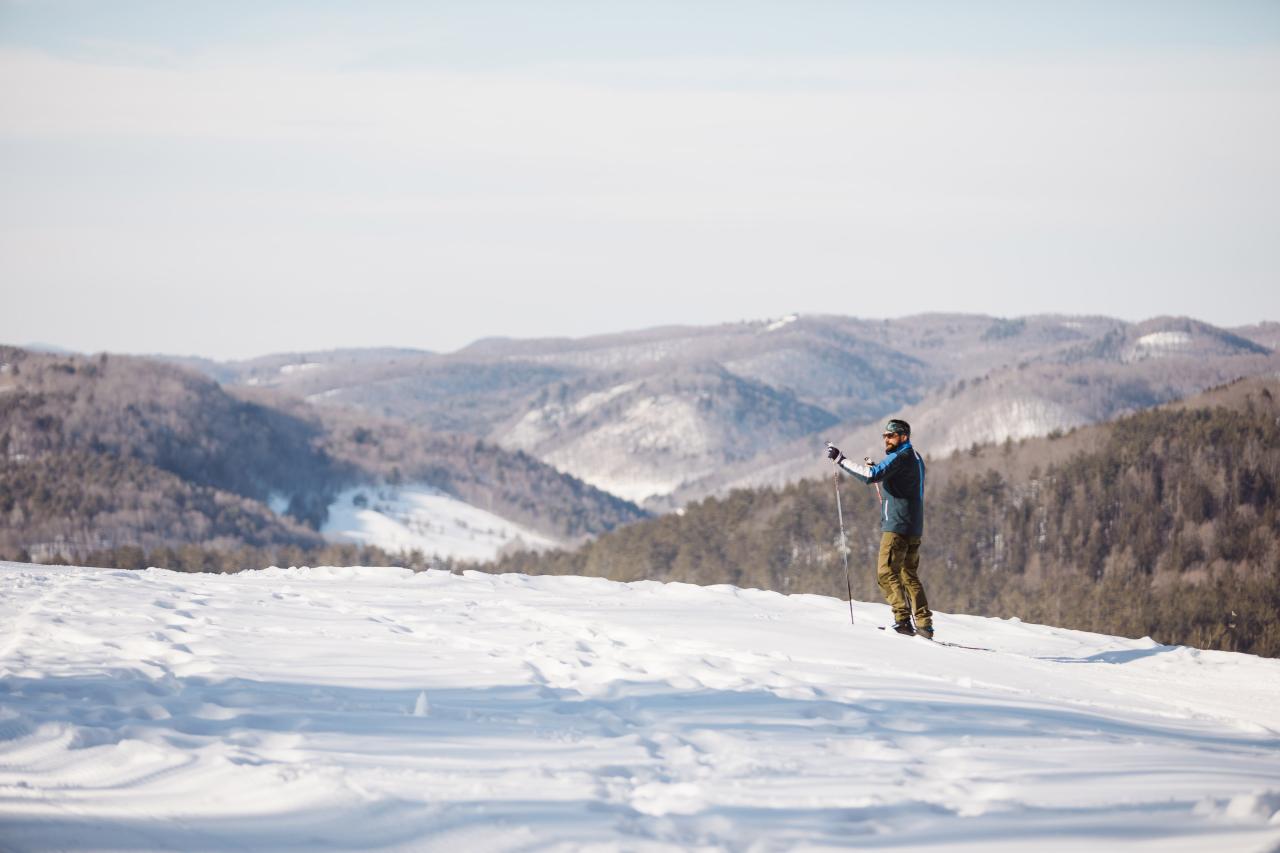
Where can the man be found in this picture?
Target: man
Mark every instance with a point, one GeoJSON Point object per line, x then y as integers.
{"type": "Point", "coordinates": [901, 479]}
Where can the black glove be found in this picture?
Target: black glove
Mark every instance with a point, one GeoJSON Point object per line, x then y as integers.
{"type": "Point", "coordinates": [834, 454]}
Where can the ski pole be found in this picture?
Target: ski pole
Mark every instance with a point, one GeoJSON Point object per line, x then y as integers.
{"type": "Point", "coordinates": [844, 547]}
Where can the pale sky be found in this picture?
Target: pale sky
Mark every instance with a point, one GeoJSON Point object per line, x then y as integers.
{"type": "Point", "coordinates": [229, 179]}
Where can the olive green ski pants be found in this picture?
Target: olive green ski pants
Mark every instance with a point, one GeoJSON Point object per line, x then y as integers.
{"type": "Point", "coordinates": [899, 579]}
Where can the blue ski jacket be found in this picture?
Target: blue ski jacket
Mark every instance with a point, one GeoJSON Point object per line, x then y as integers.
{"type": "Point", "coordinates": [901, 475]}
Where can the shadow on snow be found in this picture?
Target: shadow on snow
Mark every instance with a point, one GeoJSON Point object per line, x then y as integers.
{"type": "Point", "coordinates": [509, 725]}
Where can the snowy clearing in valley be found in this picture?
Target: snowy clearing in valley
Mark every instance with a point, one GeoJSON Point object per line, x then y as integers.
{"type": "Point", "coordinates": [407, 518]}
{"type": "Point", "coordinates": [376, 709]}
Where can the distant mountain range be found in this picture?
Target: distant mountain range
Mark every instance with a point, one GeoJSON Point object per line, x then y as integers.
{"type": "Point", "coordinates": [667, 415]}
{"type": "Point", "coordinates": [1046, 382]}
{"type": "Point", "coordinates": [548, 441]}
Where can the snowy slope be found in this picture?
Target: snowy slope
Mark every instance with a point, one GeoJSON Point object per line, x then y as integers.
{"type": "Point", "coordinates": [405, 518]}
{"type": "Point", "coordinates": [645, 438]}
{"type": "Point", "coordinates": [374, 709]}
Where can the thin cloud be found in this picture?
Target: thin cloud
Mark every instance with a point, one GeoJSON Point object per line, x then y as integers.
{"type": "Point", "coordinates": [973, 182]}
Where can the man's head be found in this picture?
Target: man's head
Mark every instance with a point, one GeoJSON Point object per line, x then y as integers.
{"type": "Point", "coordinates": [896, 433]}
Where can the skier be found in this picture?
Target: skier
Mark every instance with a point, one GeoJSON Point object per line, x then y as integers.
{"type": "Point", "coordinates": [902, 509]}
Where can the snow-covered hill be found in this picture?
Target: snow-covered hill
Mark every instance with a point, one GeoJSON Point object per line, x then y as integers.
{"type": "Point", "coordinates": [375, 709]}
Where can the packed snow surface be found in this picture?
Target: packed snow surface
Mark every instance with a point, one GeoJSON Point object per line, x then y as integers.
{"type": "Point", "coordinates": [407, 518]}
{"type": "Point", "coordinates": [376, 709]}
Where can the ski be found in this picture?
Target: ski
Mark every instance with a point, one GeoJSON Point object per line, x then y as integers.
{"type": "Point", "coordinates": [960, 646]}
{"type": "Point", "coordinates": [938, 642]}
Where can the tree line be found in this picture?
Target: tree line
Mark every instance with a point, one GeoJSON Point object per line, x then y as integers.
{"type": "Point", "coordinates": [193, 558]}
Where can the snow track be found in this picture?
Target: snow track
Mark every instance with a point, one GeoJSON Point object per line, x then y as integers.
{"type": "Point", "coordinates": [374, 709]}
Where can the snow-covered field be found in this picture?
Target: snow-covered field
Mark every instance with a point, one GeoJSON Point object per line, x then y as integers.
{"type": "Point", "coordinates": [375, 709]}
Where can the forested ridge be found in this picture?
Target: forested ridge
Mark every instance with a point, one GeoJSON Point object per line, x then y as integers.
{"type": "Point", "coordinates": [117, 453]}
{"type": "Point", "coordinates": [1162, 523]}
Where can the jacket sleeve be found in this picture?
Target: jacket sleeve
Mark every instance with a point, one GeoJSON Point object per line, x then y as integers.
{"type": "Point", "coordinates": [872, 473]}
{"type": "Point", "coordinates": [862, 472]}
